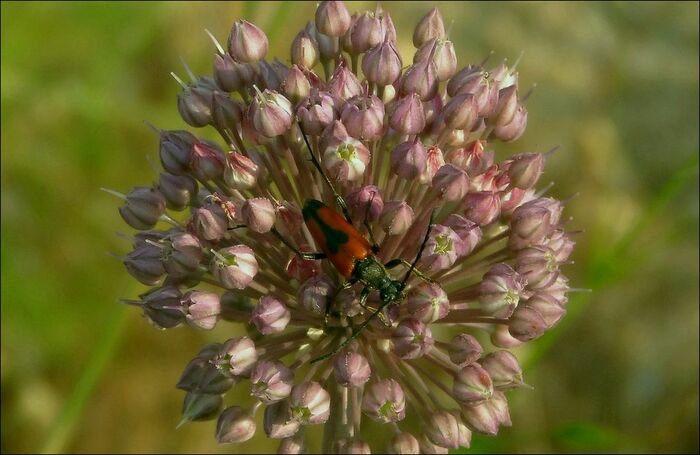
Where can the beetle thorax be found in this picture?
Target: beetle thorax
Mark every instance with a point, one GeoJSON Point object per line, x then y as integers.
{"type": "Point", "coordinates": [371, 273]}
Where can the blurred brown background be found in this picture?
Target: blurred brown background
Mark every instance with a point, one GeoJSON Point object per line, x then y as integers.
{"type": "Point", "coordinates": [617, 88]}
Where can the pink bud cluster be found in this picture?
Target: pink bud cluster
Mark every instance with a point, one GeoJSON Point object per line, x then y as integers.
{"type": "Point", "coordinates": [399, 138]}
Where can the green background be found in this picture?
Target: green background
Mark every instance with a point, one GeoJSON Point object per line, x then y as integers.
{"type": "Point", "coordinates": [617, 88]}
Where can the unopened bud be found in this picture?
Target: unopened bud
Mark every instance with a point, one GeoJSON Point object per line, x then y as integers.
{"type": "Point", "coordinates": [181, 256]}
{"type": "Point", "coordinates": [241, 172]}
{"type": "Point", "coordinates": [201, 375]}
{"type": "Point", "coordinates": [247, 43]}
{"type": "Point", "coordinates": [504, 370]}
{"type": "Point", "coordinates": [366, 32]}
{"type": "Point", "coordinates": [304, 50]}
{"type": "Point", "coordinates": [332, 18]}
{"type": "Point", "coordinates": [365, 202]}
{"type": "Point", "coordinates": [316, 112]}
{"type": "Point", "coordinates": [382, 64]}
{"type": "Point", "coordinates": [291, 445]}
{"type": "Point", "coordinates": [178, 190]}
{"type": "Point", "coordinates": [526, 323]}
{"type": "Point", "coordinates": [451, 182]}
{"type": "Point", "coordinates": [200, 406]}
{"type": "Point", "coordinates": [549, 307]}
{"type": "Point", "coordinates": [235, 266]}
{"type": "Point", "coordinates": [506, 106]}
{"type": "Point", "coordinates": [258, 214]}
{"type": "Point", "coordinates": [230, 75]}
{"type": "Point", "coordinates": [442, 54]}
{"type": "Point", "coordinates": [396, 217]}
{"type": "Point", "coordinates": [538, 265]}
{"type": "Point", "coordinates": [271, 381]}
{"type": "Point", "coordinates": [443, 429]}
{"type": "Point", "coordinates": [270, 315]}
{"type": "Point", "coordinates": [467, 230]}
{"type": "Point", "coordinates": [421, 78]}
{"type": "Point", "coordinates": [482, 207]}
{"type": "Point", "coordinates": [408, 116]}
{"type": "Point", "coordinates": [434, 162]}
{"type": "Point", "coordinates": [344, 84]}
{"type": "Point", "coordinates": [404, 443]}
{"type": "Point", "coordinates": [315, 293]}
{"type": "Point", "coordinates": [144, 263]}
{"type": "Point", "coordinates": [427, 446]}
{"type": "Point", "coordinates": [278, 422]}
{"type": "Point", "coordinates": [486, 416]}
{"type": "Point", "coordinates": [194, 103]}
{"type": "Point", "coordinates": [384, 401]}
{"type": "Point", "coordinates": [209, 222]}
{"type": "Point", "coordinates": [412, 339]}
{"type": "Point", "coordinates": [472, 384]}
{"type": "Point", "coordinates": [513, 130]}
{"type": "Point", "coordinates": [464, 350]}
{"type": "Point", "coordinates": [525, 170]}
{"type": "Point", "coordinates": [271, 113]}
{"type": "Point", "coordinates": [163, 307]}
{"type": "Point", "coordinates": [408, 159]}
{"type": "Point", "coordinates": [363, 117]}
{"type": "Point", "coordinates": [142, 208]}
{"type": "Point", "coordinates": [176, 150]}
{"type": "Point", "coordinates": [460, 112]}
{"type": "Point", "coordinates": [235, 425]}
{"type": "Point", "coordinates": [351, 369]}
{"type": "Point", "coordinates": [207, 161]}
{"type": "Point", "coordinates": [429, 27]}
{"type": "Point", "coordinates": [296, 86]}
{"type": "Point", "coordinates": [356, 445]}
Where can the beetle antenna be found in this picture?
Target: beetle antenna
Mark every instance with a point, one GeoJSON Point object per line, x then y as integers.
{"type": "Point", "coordinates": [420, 251]}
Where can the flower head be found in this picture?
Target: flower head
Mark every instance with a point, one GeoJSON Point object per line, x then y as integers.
{"type": "Point", "coordinates": [254, 232]}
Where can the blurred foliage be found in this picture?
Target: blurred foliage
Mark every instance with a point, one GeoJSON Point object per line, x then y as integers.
{"type": "Point", "coordinates": [617, 88]}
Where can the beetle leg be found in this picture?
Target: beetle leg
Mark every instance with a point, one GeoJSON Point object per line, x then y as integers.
{"type": "Point", "coordinates": [338, 198]}
{"type": "Point", "coordinates": [363, 303]}
{"type": "Point", "coordinates": [302, 254]}
{"type": "Point", "coordinates": [420, 250]}
{"type": "Point", "coordinates": [396, 262]}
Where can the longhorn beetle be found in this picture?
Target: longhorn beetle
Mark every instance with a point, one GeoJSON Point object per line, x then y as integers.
{"type": "Point", "coordinates": [352, 254]}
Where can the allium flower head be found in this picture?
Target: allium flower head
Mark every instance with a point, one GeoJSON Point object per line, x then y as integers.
{"type": "Point", "coordinates": [273, 227]}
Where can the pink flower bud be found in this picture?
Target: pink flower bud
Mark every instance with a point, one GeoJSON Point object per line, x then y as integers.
{"type": "Point", "coordinates": [467, 230]}
{"type": "Point", "coordinates": [472, 384]}
{"type": "Point", "coordinates": [432, 109]}
{"type": "Point", "coordinates": [328, 46]}
{"type": "Point", "coordinates": [246, 42]}
{"type": "Point", "coordinates": [526, 323]}
{"type": "Point", "coordinates": [367, 32]}
{"type": "Point", "coordinates": [279, 422]}
{"type": "Point", "coordinates": [382, 64]}
{"type": "Point", "coordinates": [502, 338]}
{"type": "Point", "coordinates": [203, 309]}
{"type": "Point", "coordinates": [506, 106]}
{"type": "Point", "coordinates": [296, 86]}
{"type": "Point", "coordinates": [207, 161]}
{"type": "Point", "coordinates": [512, 131]}
{"type": "Point", "coordinates": [272, 75]}
{"type": "Point", "coordinates": [396, 217]}
{"type": "Point", "coordinates": [427, 446]}
{"type": "Point", "coordinates": [144, 263]}
{"type": "Point", "coordinates": [442, 248]}
{"type": "Point", "coordinates": [346, 161]}
{"type": "Point", "coordinates": [412, 339]}
{"type": "Point", "coordinates": [356, 445]}
{"type": "Point", "coordinates": [532, 222]}
{"type": "Point", "coordinates": [332, 18]}
{"type": "Point", "coordinates": [344, 84]}
{"type": "Point", "coordinates": [194, 103]}
{"type": "Point", "coordinates": [209, 222]}
{"type": "Point", "coordinates": [472, 158]}
{"type": "Point", "coordinates": [525, 170]}
{"type": "Point", "coordinates": [390, 29]}
{"type": "Point", "coordinates": [271, 113]}
{"type": "Point", "coordinates": [561, 244]}
{"type": "Point", "coordinates": [142, 208]}
{"type": "Point", "coordinates": [316, 112]}
{"type": "Point", "coordinates": [241, 172]}
{"type": "Point", "coordinates": [549, 308]}
{"type": "Point", "coordinates": [310, 403]}
{"type": "Point", "coordinates": [240, 356]}
{"type": "Point", "coordinates": [486, 416]}
{"type": "Point", "coordinates": [464, 350]}
{"type": "Point", "coordinates": [500, 290]}
{"type": "Point", "coordinates": [234, 267]}
{"type": "Point", "coordinates": [365, 202]}
{"type": "Point", "coordinates": [175, 151]}
{"type": "Point", "coordinates": [427, 302]}
{"type": "Point", "coordinates": [292, 445]}
{"type": "Point", "coordinates": [429, 27]}
{"type": "Point", "coordinates": [451, 182]}
{"type": "Point", "coordinates": [504, 370]}
{"type": "Point", "coordinates": [434, 162]}
{"type": "Point", "coordinates": [225, 112]}
{"type": "Point", "coordinates": [363, 117]}
{"type": "Point", "coordinates": [404, 443]}
{"type": "Point", "coordinates": [421, 78]}
{"type": "Point", "coordinates": [181, 256]}
{"type": "Point", "coordinates": [301, 269]}
{"type": "Point", "coordinates": [270, 315]}
{"type": "Point", "coordinates": [538, 265]}
{"type": "Point", "coordinates": [408, 159]}
{"type": "Point", "coordinates": [351, 369]}
{"type": "Point", "coordinates": [304, 50]}
{"type": "Point", "coordinates": [258, 214]}
{"type": "Point", "coordinates": [384, 401]}
{"type": "Point", "coordinates": [230, 75]}
{"type": "Point", "coordinates": [482, 207]}
{"type": "Point", "coordinates": [408, 116]}
{"type": "Point", "coordinates": [271, 381]}
{"type": "Point", "coordinates": [443, 429]}
{"type": "Point", "coordinates": [314, 294]}
{"type": "Point", "coordinates": [467, 80]}
{"type": "Point", "coordinates": [235, 425]}
{"type": "Point", "coordinates": [289, 219]}
{"type": "Point", "coordinates": [461, 112]}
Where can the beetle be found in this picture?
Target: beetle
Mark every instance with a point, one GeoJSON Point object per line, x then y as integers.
{"type": "Point", "coordinates": [352, 254]}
